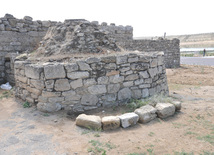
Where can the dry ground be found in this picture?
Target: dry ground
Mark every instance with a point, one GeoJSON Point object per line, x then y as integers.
{"type": "Point", "coordinates": [28, 131]}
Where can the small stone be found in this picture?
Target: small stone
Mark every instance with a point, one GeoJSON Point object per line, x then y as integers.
{"type": "Point", "coordinates": [89, 121]}
{"type": "Point", "coordinates": [76, 83]}
{"type": "Point", "coordinates": [97, 89]}
{"type": "Point", "coordinates": [71, 67]}
{"type": "Point", "coordinates": [113, 88]}
{"type": "Point", "coordinates": [146, 113]}
{"type": "Point", "coordinates": [121, 59]}
{"type": "Point", "coordinates": [165, 109]}
{"type": "Point", "coordinates": [62, 85]}
{"type": "Point", "coordinates": [110, 122]}
{"type": "Point", "coordinates": [124, 94]}
{"type": "Point", "coordinates": [128, 119]}
{"type": "Point", "coordinates": [153, 72]}
{"type": "Point", "coordinates": [144, 74]}
{"type": "Point", "coordinates": [89, 100]}
{"type": "Point", "coordinates": [103, 80]}
{"type": "Point", "coordinates": [116, 79]}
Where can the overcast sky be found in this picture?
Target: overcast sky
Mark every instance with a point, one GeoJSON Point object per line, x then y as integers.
{"type": "Point", "coordinates": [148, 17]}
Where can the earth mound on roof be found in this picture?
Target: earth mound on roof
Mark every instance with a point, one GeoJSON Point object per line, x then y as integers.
{"type": "Point", "coordinates": [76, 36]}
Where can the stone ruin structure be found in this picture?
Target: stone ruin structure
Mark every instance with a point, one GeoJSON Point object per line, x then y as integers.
{"type": "Point", "coordinates": [81, 65]}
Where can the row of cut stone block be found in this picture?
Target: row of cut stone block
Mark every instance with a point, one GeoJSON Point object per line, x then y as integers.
{"type": "Point", "coordinates": [142, 115]}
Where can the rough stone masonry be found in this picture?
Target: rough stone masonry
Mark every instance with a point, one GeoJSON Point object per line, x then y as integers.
{"type": "Point", "coordinates": [104, 80]}
{"type": "Point", "coordinates": [24, 36]}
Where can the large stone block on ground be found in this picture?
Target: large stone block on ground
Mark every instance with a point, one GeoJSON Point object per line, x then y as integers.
{"type": "Point", "coordinates": [89, 121]}
{"type": "Point", "coordinates": [177, 105]}
{"type": "Point", "coordinates": [165, 109]}
{"type": "Point", "coordinates": [128, 119]}
{"type": "Point", "coordinates": [110, 122]}
{"type": "Point", "coordinates": [49, 107]}
{"type": "Point", "coordinates": [54, 71]}
{"type": "Point", "coordinates": [146, 113]}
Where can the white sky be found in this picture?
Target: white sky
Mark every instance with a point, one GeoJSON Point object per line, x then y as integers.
{"type": "Point", "coordinates": [148, 17]}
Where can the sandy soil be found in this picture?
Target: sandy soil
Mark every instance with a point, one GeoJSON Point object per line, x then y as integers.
{"type": "Point", "coordinates": [28, 131]}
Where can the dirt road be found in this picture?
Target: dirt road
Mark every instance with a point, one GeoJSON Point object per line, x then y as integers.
{"type": "Point", "coordinates": [28, 131]}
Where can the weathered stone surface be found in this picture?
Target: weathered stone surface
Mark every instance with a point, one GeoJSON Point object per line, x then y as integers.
{"type": "Point", "coordinates": [121, 59]}
{"type": "Point", "coordinates": [71, 67]}
{"type": "Point", "coordinates": [128, 84]}
{"type": "Point", "coordinates": [92, 60]}
{"type": "Point", "coordinates": [165, 109]}
{"type": "Point", "coordinates": [113, 88]}
{"type": "Point", "coordinates": [22, 79]}
{"type": "Point", "coordinates": [49, 84]}
{"type": "Point", "coordinates": [146, 113]}
{"type": "Point", "coordinates": [89, 82]}
{"type": "Point", "coordinates": [54, 71]}
{"type": "Point", "coordinates": [84, 66]}
{"type": "Point", "coordinates": [108, 59]}
{"type": "Point", "coordinates": [110, 122]}
{"type": "Point", "coordinates": [111, 73]}
{"type": "Point", "coordinates": [39, 84]}
{"type": "Point", "coordinates": [48, 107]}
{"type": "Point", "coordinates": [134, 59]}
{"type": "Point", "coordinates": [50, 94]}
{"type": "Point", "coordinates": [144, 74]}
{"type": "Point", "coordinates": [177, 105]}
{"type": "Point", "coordinates": [116, 79]}
{"type": "Point", "coordinates": [145, 93]}
{"type": "Point", "coordinates": [128, 119]}
{"type": "Point", "coordinates": [138, 81]}
{"type": "Point", "coordinates": [124, 93]}
{"type": "Point", "coordinates": [76, 83]}
{"type": "Point", "coordinates": [89, 121]}
{"type": "Point", "coordinates": [103, 80]}
{"type": "Point", "coordinates": [77, 75]}
{"type": "Point", "coordinates": [33, 71]}
{"type": "Point", "coordinates": [136, 94]}
{"type": "Point", "coordinates": [97, 89]}
{"type": "Point", "coordinates": [110, 66]}
{"type": "Point", "coordinates": [56, 99]}
{"type": "Point", "coordinates": [153, 72]}
{"type": "Point", "coordinates": [131, 77]}
{"type": "Point", "coordinates": [154, 62]}
{"type": "Point", "coordinates": [34, 90]}
{"type": "Point", "coordinates": [62, 85]}
{"type": "Point", "coordinates": [89, 100]}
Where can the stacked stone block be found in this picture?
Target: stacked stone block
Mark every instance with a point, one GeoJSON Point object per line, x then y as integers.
{"type": "Point", "coordinates": [91, 83]}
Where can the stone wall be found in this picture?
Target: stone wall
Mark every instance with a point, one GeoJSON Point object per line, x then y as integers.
{"type": "Point", "coordinates": [18, 36]}
{"type": "Point", "coordinates": [91, 83]}
{"type": "Point", "coordinates": [24, 35]}
{"type": "Point", "coordinates": [171, 49]}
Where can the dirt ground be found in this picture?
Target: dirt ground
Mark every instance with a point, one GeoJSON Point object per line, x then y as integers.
{"type": "Point", "coordinates": [28, 131]}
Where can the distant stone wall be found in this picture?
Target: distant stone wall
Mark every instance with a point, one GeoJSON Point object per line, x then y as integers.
{"type": "Point", "coordinates": [91, 83]}
{"type": "Point", "coordinates": [170, 48]}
